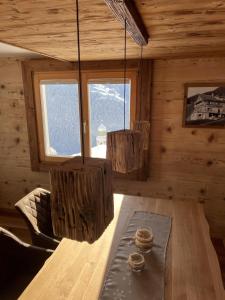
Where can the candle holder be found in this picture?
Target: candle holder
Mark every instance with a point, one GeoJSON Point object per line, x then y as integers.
{"type": "Point", "coordinates": [136, 262]}
{"type": "Point", "coordinates": [144, 239]}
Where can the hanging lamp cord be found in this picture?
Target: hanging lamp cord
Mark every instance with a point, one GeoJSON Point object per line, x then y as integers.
{"type": "Point", "coordinates": [140, 78]}
{"type": "Point", "coordinates": [80, 85]}
{"type": "Point", "coordinates": [125, 71]}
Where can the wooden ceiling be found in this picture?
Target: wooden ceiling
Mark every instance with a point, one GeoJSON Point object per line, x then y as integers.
{"type": "Point", "coordinates": [177, 28]}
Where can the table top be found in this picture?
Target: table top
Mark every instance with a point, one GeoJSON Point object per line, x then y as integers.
{"type": "Point", "coordinates": [76, 270]}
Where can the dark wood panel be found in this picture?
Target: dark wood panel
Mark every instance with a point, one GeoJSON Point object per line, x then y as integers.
{"type": "Point", "coordinates": [11, 220]}
{"type": "Point", "coordinates": [126, 10]}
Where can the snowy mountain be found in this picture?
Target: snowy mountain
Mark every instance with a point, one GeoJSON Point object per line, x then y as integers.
{"type": "Point", "coordinates": [105, 106]}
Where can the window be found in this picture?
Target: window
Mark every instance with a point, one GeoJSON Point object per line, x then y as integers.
{"type": "Point", "coordinates": [105, 93]}
{"type": "Point", "coordinates": [57, 111]}
{"type": "Point", "coordinates": [51, 98]}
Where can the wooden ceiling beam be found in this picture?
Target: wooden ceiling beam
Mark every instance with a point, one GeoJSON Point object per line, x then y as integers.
{"type": "Point", "coordinates": [126, 9]}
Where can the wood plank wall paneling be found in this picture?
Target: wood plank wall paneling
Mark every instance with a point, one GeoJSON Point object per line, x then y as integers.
{"type": "Point", "coordinates": [16, 177]}
{"type": "Point", "coordinates": [185, 163]}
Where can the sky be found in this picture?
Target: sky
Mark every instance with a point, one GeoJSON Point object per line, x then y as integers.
{"type": "Point", "coordinates": [199, 90]}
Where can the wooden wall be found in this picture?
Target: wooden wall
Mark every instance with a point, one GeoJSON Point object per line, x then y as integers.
{"type": "Point", "coordinates": [185, 163]}
{"type": "Point", "coordinates": [16, 178]}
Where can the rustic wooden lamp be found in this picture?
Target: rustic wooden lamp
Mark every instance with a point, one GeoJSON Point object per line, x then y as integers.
{"type": "Point", "coordinates": [81, 188]}
{"type": "Point", "coordinates": [124, 147]}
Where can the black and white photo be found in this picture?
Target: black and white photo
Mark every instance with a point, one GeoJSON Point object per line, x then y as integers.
{"type": "Point", "coordinates": [204, 105]}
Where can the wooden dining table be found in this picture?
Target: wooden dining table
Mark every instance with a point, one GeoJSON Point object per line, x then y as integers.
{"type": "Point", "coordinates": [77, 270]}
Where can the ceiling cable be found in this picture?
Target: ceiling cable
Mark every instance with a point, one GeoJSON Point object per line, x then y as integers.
{"type": "Point", "coordinates": [80, 85]}
{"type": "Point", "coordinates": [140, 80]}
{"type": "Point", "coordinates": [125, 70]}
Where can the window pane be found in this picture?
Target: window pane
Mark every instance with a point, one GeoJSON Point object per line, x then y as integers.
{"type": "Point", "coordinates": [107, 112]}
{"type": "Point", "coordinates": [61, 118]}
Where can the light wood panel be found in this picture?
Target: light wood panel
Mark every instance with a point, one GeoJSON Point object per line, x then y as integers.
{"type": "Point", "coordinates": [16, 177]}
{"type": "Point", "coordinates": [177, 28]}
{"type": "Point", "coordinates": [185, 163]}
{"type": "Point", "coordinates": [76, 270]}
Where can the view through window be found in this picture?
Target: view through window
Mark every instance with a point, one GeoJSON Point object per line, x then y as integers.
{"type": "Point", "coordinates": [58, 118]}
{"type": "Point", "coordinates": [61, 118]}
{"type": "Point", "coordinates": [106, 104]}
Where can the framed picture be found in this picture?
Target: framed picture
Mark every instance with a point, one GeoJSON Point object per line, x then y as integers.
{"type": "Point", "coordinates": [204, 105]}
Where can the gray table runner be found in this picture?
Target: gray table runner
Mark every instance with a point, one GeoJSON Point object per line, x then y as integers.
{"type": "Point", "coordinates": [123, 284]}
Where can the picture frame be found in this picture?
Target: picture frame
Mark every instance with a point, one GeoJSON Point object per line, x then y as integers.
{"type": "Point", "coordinates": [204, 105]}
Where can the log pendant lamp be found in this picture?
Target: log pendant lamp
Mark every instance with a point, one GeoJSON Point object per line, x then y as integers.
{"type": "Point", "coordinates": [81, 188]}
{"type": "Point", "coordinates": [124, 147]}
{"type": "Point", "coordinates": [81, 198]}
